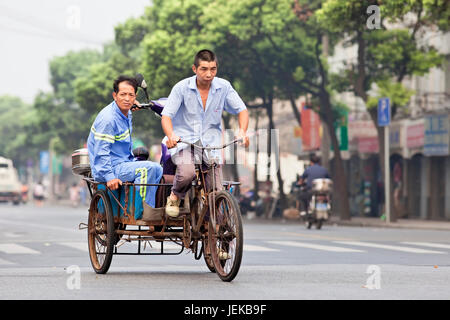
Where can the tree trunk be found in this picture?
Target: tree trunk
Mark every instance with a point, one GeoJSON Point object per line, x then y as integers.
{"type": "Point", "coordinates": [340, 178]}
{"type": "Point", "coordinates": [255, 175]}
{"type": "Point", "coordinates": [269, 108]}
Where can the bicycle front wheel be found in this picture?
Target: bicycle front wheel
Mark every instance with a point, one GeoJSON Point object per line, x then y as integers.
{"type": "Point", "coordinates": [226, 239]}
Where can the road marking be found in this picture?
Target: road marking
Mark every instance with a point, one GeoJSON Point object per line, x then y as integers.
{"type": "Point", "coordinates": [251, 247]}
{"type": "Point", "coordinates": [12, 235]}
{"type": "Point", "coordinates": [12, 248]}
{"type": "Point", "coordinates": [388, 247]}
{"type": "Point", "coordinates": [148, 246]}
{"type": "Point", "coordinates": [265, 233]}
{"type": "Point", "coordinates": [126, 246]}
{"type": "Point", "coordinates": [40, 226]}
{"type": "Point", "coordinates": [313, 246]}
{"type": "Point", "coordinates": [429, 244]}
{"type": "Point", "coordinates": [83, 246]}
{"type": "Point", "coordinates": [5, 263]}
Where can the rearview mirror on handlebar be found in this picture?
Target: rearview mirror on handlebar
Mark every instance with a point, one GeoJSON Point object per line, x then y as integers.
{"type": "Point", "coordinates": [141, 81]}
{"type": "Point", "coordinates": [142, 84]}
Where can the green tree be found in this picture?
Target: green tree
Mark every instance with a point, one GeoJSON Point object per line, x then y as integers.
{"type": "Point", "coordinates": [277, 55]}
{"type": "Point", "coordinates": [14, 117]}
{"type": "Point", "coordinates": [387, 55]}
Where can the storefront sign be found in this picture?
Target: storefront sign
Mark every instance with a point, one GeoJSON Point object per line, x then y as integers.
{"type": "Point", "coordinates": [341, 125]}
{"type": "Point", "coordinates": [415, 135]}
{"type": "Point", "coordinates": [436, 135]}
{"type": "Point", "coordinates": [310, 129]}
{"type": "Point", "coordinates": [395, 136]}
{"type": "Point", "coordinates": [368, 145]}
{"type": "Point", "coordinates": [361, 129]}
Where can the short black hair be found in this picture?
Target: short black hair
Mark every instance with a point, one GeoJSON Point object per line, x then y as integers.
{"type": "Point", "coordinates": [130, 80]}
{"type": "Point", "coordinates": [314, 159]}
{"type": "Point", "coordinates": [205, 55]}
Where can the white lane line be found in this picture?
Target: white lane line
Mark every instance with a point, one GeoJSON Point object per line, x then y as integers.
{"type": "Point", "coordinates": [5, 263]}
{"type": "Point", "coordinates": [82, 246]}
{"type": "Point", "coordinates": [12, 235]}
{"type": "Point", "coordinates": [148, 246]}
{"type": "Point", "coordinates": [253, 248]}
{"type": "Point", "coordinates": [388, 247]}
{"type": "Point", "coordinates": [12, 248]}
{"type": "Point", "coordinates": [313, 246]}
{"type": "Point", "coordinates": [429, 244]}
{"type": "Point", "coordinates": [127, 246]}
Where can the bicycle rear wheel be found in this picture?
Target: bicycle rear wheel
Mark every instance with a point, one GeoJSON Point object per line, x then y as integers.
{"type": "Point", "coordinates": [226, 239]}
{"type": "Point", "coordinates": [101, 232]}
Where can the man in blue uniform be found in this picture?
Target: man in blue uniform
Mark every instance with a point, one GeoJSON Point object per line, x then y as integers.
{"type": "Point", "coordinates": [109, 145]}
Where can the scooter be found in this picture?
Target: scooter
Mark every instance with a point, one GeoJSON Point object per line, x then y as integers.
{"type": "Point", "coordinates": [320, 205]}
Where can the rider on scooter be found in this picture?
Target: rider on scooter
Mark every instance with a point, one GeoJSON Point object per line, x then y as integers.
{"type": "Point", "coordinates": [314, 171]}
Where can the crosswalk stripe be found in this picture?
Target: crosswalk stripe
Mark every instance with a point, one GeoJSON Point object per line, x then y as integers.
{"type": "Point", "coordinates": [313, 246]}
{"type": "Point", "coordinates": [12, 248]}
{"type": "Point", "coordinates": [254, 248]}
{"type": "Point", "coordinates": [5, 263]}
{"type": "Point", "coordinates": [83, 246]}
{"type": "Point", "coordinates": [388, 247]}
{"type": "Point", "coordinates": [429, 244]}
{"type": "Point", "coordinates": [126, 246]}
{"type": "Point", "coordinates": [153, 246]}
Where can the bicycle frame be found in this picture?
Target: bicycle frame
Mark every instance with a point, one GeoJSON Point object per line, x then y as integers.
{"type": "Point", "coordinates": [210, 199]}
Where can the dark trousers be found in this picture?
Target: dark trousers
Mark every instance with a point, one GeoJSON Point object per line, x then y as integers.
{"type": "Point", "coordinates": [185, 161]}
{"type": "Point", "coordinates": [305, 199]}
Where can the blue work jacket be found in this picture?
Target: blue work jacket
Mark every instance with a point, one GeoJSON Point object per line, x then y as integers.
{"type": "Point", "coordinates": [109, 142]}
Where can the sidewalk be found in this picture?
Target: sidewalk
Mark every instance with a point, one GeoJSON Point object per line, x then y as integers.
{"type": "Point", "coordinates": [371, 222]}
{"type": "Point", "coordinates": [400, 223]}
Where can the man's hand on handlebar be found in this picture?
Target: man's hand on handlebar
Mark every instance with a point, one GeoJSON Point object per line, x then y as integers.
{"type": "Point", "coordinates": [136, 106]}
{"type": "Point", "coordinates": [245, 140]}
{"type": "Point", "coordinates": [114, 184]}
{"type": "Point", "coordinates": [172, 141]}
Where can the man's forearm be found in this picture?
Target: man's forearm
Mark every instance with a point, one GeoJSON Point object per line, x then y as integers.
{"type": "Point", "coordinates": [243, 120]}
{"type": "Point", "coordinates": [167, 126]}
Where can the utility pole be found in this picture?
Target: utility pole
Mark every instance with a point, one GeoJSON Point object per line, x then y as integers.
{"type": "Point", "coordinates": [325, 142]}
{"type": "Point", "coordinates": [384, 120]}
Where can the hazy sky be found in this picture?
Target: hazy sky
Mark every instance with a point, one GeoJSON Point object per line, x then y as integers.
{"type": "Point", "coordinates": [34, 31]}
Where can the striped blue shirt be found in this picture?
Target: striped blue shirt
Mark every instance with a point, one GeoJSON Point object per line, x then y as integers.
{"type": "Point", "coordinates": [109, 142]}
{"type": "Point", "coordinates": [193, 123]}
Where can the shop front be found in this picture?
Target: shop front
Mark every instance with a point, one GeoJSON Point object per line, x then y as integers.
{"type": "Point", "coordinates": [436, 148]}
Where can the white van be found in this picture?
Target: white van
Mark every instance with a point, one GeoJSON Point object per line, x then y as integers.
{"type": "Point", "coordinates": [9, 182]}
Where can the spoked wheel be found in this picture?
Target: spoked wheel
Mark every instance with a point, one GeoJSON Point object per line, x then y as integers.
{"type": "Point", "coordinates": [226, 239]}
{"type": "Point", "coordinates": [101, 233]}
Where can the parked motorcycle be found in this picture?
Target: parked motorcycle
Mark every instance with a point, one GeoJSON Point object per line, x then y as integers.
{"type": "Point", "coordinates": [320, 205]}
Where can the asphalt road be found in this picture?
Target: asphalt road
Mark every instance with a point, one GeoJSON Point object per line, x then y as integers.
{"type": "Point", "coordinates": [43, 255]}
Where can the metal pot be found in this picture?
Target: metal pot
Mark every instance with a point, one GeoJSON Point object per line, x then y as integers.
{"type": "Point", "coordinates": [80, 162]}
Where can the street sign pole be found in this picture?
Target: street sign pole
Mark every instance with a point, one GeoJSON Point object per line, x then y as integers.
{"type": "Point", "coordinates": [387, 182]}
{"type": "Point", "coordinates": [384, 119]}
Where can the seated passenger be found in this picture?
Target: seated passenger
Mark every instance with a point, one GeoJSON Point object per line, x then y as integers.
{"type": "Point", "coordinates": [109, 145]}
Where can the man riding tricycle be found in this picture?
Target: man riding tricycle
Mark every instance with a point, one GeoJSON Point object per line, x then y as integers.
{"type": "Point", "coordinates": [183, 199]}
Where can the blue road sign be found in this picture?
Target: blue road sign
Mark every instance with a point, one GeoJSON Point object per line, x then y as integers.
{"type": "Point", "coordinates": [44, 161]}
{"type": "Point", "coordinates": [384, 112]}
